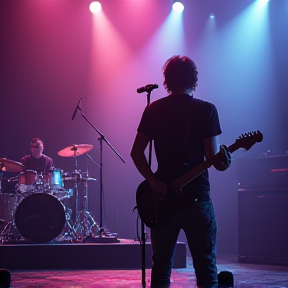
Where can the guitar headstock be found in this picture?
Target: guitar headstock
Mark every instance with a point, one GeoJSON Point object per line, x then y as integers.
{"type": "Point", "coordinates": [247, 140]}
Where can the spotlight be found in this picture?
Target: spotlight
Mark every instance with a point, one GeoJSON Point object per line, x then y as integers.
{"type": "Point", "coordinates": [212, 15]}
{"type": "Point", "coordinates": [178, 7]}
{"type": "Point", "coordinates": [95, 7]}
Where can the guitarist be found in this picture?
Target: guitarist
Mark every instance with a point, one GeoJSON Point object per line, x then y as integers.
{"type": "Point", "coordinates": [184, 130]}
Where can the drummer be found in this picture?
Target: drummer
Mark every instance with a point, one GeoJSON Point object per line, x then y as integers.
{"type": "Point", "coordinates": [37, 160]}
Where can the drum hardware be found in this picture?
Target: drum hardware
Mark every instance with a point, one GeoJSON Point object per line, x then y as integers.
{"type": "Point", "coordinates": [74, 151]}
{"type": "Point", "coordinates": [10, 233]}
{"type": "Point", "coordinates": [2, 225]}
{"type": "Point", "coordinates": [60, 194]}
{"type": "Point", "coordinates": [37, 216]}
{"type": "Point", "coordinates": [84, 224]}
{"type": "Point", "coordinates": [68, 234]}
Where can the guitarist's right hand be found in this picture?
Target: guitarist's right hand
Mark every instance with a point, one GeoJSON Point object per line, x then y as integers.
{"type": "Point", "coordinates": [159, 189]}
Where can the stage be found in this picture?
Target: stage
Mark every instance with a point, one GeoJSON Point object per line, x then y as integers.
{"type": "Point", "coordinates": [123, 255]}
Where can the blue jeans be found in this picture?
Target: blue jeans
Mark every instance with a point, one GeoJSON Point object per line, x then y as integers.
{"type": "Point", "coordinates": [198, 222]}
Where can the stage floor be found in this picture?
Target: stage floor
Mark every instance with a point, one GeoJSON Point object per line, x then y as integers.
{"type": "Point", "coordinates": [245, 276]}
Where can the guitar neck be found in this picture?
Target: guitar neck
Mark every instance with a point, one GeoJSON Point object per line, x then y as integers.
{"type": "Point", "coordinates": [189, 176]}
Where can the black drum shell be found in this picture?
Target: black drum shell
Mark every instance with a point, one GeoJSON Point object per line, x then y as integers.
{"type": "Point", "coordinates": [40, 217]}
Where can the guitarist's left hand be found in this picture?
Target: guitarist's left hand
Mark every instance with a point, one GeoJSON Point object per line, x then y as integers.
{"type": "Point", "coordinates": [159, 189]}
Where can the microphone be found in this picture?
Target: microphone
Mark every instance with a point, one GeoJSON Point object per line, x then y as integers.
{"type": "Point", "coordinates": [147, 88]}
{"type": "Point", "coordinates": [74, 114]}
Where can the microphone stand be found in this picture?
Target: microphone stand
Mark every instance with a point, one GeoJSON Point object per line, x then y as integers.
{"type": "Point", "coordinates": [101, 139]}
{"type": "Point", "coordinates": [143, 231]}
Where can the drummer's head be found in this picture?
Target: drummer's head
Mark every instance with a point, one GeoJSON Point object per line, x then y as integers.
{"type": "Point", "coordinates": [37, 147]}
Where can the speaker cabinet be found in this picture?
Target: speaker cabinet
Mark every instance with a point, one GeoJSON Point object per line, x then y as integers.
{"type": "Point", "coordinates": [263, 225]}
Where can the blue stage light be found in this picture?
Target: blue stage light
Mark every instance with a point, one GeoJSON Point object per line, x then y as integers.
{"type": "Point", "coordinates": [178, 7]}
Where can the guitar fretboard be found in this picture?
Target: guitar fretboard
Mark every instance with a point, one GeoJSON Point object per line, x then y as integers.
{"type": "Point", "coordinates": [192, 174]}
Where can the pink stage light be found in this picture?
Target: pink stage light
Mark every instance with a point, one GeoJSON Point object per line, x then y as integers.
{"type": "Point", "coordinates": [95, 7]}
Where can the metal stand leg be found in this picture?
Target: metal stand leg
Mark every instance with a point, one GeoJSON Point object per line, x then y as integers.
{"type": "Point", "coordinates": [85, 225]}
{"type": "Point", "coordinates": [10, 233]}
{"type": "Point", "coordinates": [68, 234]}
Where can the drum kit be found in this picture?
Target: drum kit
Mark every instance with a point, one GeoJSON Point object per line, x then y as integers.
{"type": "Point", "coordinates": [38, 212]}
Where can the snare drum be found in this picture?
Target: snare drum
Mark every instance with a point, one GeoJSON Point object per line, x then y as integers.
{"type": "Point", "coordinates": [27, 180]}
{"type": "Point", "coordinates": [53, 179]}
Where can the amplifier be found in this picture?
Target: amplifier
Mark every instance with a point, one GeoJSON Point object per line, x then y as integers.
{"type": "Point", "coordinates": [263, 225]}
{"type": "Point", "coordinates": [271, 171]}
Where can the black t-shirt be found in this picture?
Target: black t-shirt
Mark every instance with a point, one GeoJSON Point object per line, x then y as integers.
{"type": "Point", "coordinates": [178, 124]}
{"type": "Point", "coordinates": [37, 164]}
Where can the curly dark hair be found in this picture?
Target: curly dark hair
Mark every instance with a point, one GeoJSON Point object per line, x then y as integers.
{"type": "Point", "coordinates": [180, 73]}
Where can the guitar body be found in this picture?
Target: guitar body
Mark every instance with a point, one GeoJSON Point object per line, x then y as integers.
{"type": "Point", "coordinates": [152, 212]}
{"type": "Point", "coordinates": [155, 213]}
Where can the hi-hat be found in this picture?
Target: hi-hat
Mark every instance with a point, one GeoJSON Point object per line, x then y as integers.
{"type": "Point", "coordinates": [75, 150]}
{"type": "Point", "coordinates": [10, 165]}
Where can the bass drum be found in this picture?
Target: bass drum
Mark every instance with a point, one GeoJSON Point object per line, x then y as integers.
{"type": "Point", "coordinates": [40, 217]}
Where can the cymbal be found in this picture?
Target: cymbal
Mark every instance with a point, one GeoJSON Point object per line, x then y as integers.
{"type": "Point", "coordinates": [75, 149]}
{"type": "Point", "coordinates": [10, 165]}
{"type": "Point", "coordinates": [79, 179]}
{"type": "Point", "coordinates": [89, 179]}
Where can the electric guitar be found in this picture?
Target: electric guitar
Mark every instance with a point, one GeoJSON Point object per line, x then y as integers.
{"type": "Point", "coordinates": [153, 212]}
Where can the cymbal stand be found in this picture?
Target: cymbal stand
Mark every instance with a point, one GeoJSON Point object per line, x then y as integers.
{"type": "Point", "coordinates": [68, 233]}
{"type": "Point", "coordinates": [76, 176]}
{"type": "Point", "coordinates": [101, 139]}
{"type": "Point", "coordinates": [85, 224]}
